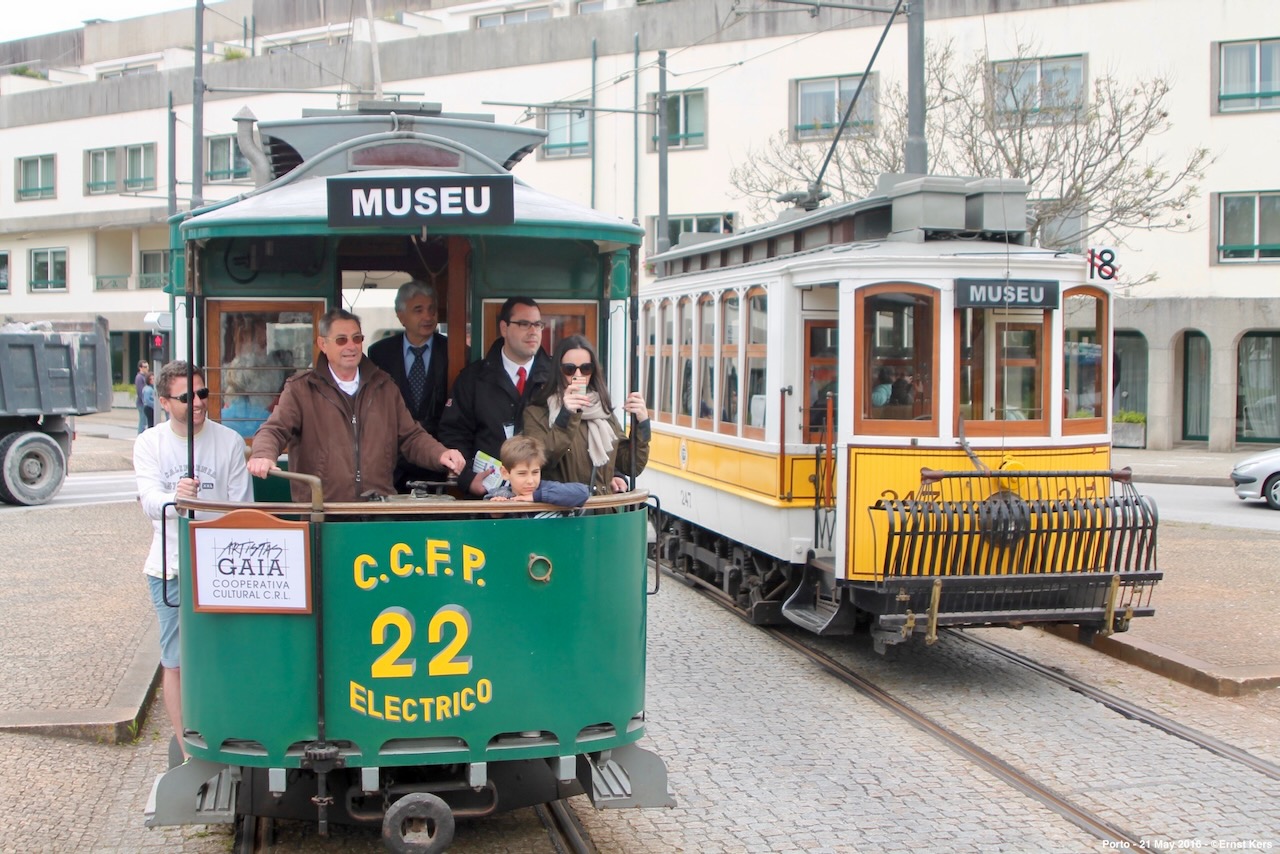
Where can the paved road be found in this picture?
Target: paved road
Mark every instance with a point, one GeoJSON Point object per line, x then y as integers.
{"type": "Point", "coordinates": [1210, 505]}
{"type": "Point", "coordinates": [90, 488]}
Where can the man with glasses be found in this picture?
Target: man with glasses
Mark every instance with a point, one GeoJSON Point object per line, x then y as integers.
{"type": "Point", "coordinates": [489, 396]}
{"type": "Point", "coordinates": [344, 421]}
{"type": "Point", "coordinates": [160, 464]}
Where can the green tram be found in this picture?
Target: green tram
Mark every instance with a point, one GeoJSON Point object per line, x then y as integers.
{"type": "Point", "coordinates": [411, 660]}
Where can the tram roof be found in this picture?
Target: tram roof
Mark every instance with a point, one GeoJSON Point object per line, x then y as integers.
{"type": "Point", "coordinates": [300, 207]}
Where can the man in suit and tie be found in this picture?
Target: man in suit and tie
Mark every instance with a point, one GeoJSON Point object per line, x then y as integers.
{"type": "Point", "coordinates": [418, 360]}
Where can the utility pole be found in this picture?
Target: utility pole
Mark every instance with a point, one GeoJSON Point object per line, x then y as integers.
{"type": "Point", "coordinates": [916, 155]}
{"type": "Point", "coordinates": [663, 241]}
{"type": "Point", "coordinates": [197, 115]}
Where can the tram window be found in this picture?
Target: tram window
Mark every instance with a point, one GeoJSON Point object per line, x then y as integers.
{"type": "Point", "coordinates": [898, 336]}
{"type": "Point", "coordinates": [1084, 358]}
{"type": "Point", "coordinates": [706, 361]}
{"type": "Point", "coordinates": [254, 348]}
{"type": "Point", "coordinates": [1002, 365]}
{"type": "Point", "coordinates": [729, 347]}
{"type": "Point", "coordinates": [821, 375]}
{"type": "Point", "coordinates": [666, 325]}
{"type": "Point", "coordinates": [757, 324]}
{"type": "Point", "coordinates": [685, 325]}
{"type": "Point", "coordinates": [648, 363]}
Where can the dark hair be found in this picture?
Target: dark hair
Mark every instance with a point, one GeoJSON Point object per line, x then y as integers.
{"type": "Point", "coordinates": [173, 371]}
{"type": "Point", "coordinates": [560, 382]}
{"type": "Point", "coordinates": [504, 315]}
{"type": "Point", "coordinates": [884, 377]}
{"type": "Point", "coordinates": [331, 316]}
{"type": "Point", "coordinates": [521, 449]}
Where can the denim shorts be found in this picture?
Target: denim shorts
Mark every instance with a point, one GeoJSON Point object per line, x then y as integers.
{"type": "Point", "coordinates": [168, 619]}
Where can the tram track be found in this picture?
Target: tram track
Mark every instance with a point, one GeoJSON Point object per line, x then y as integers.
{"type": "Point", "coordinates": [1082, 817]}
{"type": "Point", "coordinates": [552, 827]}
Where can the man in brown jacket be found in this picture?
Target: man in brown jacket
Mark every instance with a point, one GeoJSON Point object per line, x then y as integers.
{"type": "Point", "coordinates": [344, 421]}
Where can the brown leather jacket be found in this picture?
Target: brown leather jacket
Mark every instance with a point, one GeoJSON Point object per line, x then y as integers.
{"type": "Point", "coordinates": [350, 443]}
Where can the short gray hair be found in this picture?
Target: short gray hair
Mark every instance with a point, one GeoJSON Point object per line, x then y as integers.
{"type": "Point", "coordinates": [336, 313]}
{"type": "Point", "coordinates": [413, 288]}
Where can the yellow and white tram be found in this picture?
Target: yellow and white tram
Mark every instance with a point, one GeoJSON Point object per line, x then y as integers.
{"type": "Point", "coordinates": [892, 412]}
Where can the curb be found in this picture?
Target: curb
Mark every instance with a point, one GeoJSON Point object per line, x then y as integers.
{"type": "Point", "coordinates": [1221, 681]}
{"type": "Point", "coordinates": [120, 721]}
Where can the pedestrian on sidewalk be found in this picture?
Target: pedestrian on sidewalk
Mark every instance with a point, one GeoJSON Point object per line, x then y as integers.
{"type": "Point", "coordinates": [140, 382]}
{"type": "Point", "coordinates": [149, 400]}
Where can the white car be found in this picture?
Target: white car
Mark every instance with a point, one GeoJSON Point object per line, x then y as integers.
{"type": "Point", "coordinates": [1258, 476]}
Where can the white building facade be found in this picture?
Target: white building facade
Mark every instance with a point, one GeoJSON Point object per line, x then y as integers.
{"type": "Point", "coordinates": [85, 124]}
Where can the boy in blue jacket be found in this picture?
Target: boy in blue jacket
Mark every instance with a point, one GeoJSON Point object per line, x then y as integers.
{"type": "Point", "coordinates": [522, 458]}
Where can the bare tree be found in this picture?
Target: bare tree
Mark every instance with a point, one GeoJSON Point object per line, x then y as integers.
{"type": "Point", "coordinates": [1088, 161]}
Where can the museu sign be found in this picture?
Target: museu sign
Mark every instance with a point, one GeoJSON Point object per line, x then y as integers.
{"type": "Point", "coordinates": [422, 200]}
{"type": "Point", "coordinates": [1006, 293]}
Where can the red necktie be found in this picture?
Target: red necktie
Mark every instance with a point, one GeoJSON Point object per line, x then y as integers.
{"type": "Point", "coordinates": [520, 375]}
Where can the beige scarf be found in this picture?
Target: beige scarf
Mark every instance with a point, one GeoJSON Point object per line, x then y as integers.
{"type": "Point", "coordinates": [600, 435]}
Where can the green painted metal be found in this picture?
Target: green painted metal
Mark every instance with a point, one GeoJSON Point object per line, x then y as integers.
{"type": "Point", "coordinates": [440, 646]}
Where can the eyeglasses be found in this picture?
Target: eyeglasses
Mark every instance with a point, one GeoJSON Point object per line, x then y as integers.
{"type": "Point", "coordinates": [341, 340]}
{"type": "Point", "coordinates": [185, 397]}
{"type": "Point", "coordinates": [526, 325]}
{"type": "Point", "coordinates": [569, 368]}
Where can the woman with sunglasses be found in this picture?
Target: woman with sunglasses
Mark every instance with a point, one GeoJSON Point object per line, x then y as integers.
{"type": "Point", "coordinates": [573, 417]}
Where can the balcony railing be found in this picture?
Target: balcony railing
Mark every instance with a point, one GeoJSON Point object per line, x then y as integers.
{"type": "Point", "coordinates": [112, 283]}
{"type": "Point", "coordinates": [152, 281]}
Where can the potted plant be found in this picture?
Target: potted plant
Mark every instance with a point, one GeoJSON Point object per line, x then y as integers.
{"type": "Point", "coordinates": [1129, 429]}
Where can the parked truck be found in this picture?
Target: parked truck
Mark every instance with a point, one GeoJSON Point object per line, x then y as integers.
{"type": "Point", "coordinates": [49, 373]}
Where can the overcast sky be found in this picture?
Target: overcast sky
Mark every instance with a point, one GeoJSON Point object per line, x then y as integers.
{"type": "Point", "coordinates": [22, 18]}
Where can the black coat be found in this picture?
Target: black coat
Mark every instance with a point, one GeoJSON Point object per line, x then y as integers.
{"type": "Point", "coordinates": [388, 354]}
{"type": "Point", "coordinates": [483, 403]}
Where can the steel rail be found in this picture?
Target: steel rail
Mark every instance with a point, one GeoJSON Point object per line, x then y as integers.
{"type": "Point", "coordinates": [1082, 818]}
{"type": "Point", "coordinates": [563, 828]}
{"type": "Point", "coordinates": [1129, 710]}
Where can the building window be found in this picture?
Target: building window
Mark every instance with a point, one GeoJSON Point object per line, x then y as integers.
{"type": "Point", "coordinates": [226, 163]}
{"type": "Point", "coordinates": [154, 269]}
{"type": "Point", "coordinates": [590, 7]}
{"type": "Point", "coordinates": [1250, 226]}
{"type": "Point", "coordinates": [128, 71]}
{"type": "Point", "coordinates": [1257, 416]}
{"type": "Point", "coordinates": [36, 178]}
{"type": "Point", "coordinates": [48, 270]}
{"type": "Point", "coordinates": [714, 223]}
{"type": "Point", "coordinates": [140, 167]}
{"type": "Point", "coordinates": [102, 172]}
{"type": "Point", "coordinates": [1039, 89]}
{"type": "Point", "coordinates": [686, 120]}
{"type": "Point", "coordinates": [520, 16]}
{"type": "Point", "coordinates": [820, 105]}
{"type": "Point", "coordinates": [568, 132]}
{"type": "Point", "coordinates": [4, 272]}
{"type": "Point", "coordinates": [1249, 76]}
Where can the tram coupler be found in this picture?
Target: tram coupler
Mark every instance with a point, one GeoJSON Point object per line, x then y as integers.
{"type": "Point", "coordinates": [322, 757]}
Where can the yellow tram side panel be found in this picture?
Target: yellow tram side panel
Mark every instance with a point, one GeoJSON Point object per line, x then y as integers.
{"type": "Point", "coordinates": [878, 473]}
{"type": "Point", "coordinates": [745, 472]}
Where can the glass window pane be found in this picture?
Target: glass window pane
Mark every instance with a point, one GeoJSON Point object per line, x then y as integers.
{"type": "Point", "coordinates": [1269, 224]}
{"type": "Point", "coordinates": [706, 386]}
{"type": "Point", "coordinates": [756, 402]}
{"type": "Point", "coordinates": [1238, 225]}
{"type": "Point", "coordinates": [706, 322]}
{"type": "Point", "coordinates": [1083, 396]}
{"type": "Point", "coordinates": [759, 314]}
{"type": "Point", "coordinates": [1238, 75]}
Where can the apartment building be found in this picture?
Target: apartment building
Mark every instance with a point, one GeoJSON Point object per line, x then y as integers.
{"type": "Point", "coordinates": [86, 122]}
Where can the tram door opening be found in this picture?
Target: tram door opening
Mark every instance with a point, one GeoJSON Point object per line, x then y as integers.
{"type": "Point", "coordinates": [821, 372]}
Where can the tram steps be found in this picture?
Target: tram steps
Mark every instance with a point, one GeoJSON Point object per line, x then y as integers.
{"type": "Point", "coordinates": [196, 792]}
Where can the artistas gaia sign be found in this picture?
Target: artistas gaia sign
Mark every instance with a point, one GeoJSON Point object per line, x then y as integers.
{"type": "Point", "coordinates": [251, 561]}
{"type": "Point", "coordinates": [424, 200]}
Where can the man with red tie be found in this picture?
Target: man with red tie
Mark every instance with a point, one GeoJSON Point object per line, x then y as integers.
{"type": "Point", "coordinates": [489, 396]}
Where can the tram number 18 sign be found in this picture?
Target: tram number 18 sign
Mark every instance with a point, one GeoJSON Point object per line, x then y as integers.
{"type": "Point", "coordinates": [250, 561]}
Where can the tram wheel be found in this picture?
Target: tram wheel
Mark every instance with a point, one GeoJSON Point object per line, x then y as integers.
{"type": "Point", "coordinates": [418, 823]}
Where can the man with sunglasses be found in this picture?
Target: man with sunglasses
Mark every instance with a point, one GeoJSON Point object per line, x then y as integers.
{"type": "Point", "coordinates": [345, 422]}
{"type": "Point", "coordinates": [489, 396]}
{"type": "Point", "coordinates": [160, 463]}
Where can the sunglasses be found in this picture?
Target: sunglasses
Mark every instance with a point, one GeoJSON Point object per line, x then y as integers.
{"type": "Point", "coordinates": [185, 397]}
{"type": "Point", "coordinates": [569, 368]}
{"type": "Point", "coordinates": [341, 340]}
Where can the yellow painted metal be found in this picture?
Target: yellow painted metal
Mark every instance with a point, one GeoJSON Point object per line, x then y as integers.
{"type": "Point", "coordinates": [740, 471]}
{"type": "Point", "coordinates": [876, 473]}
